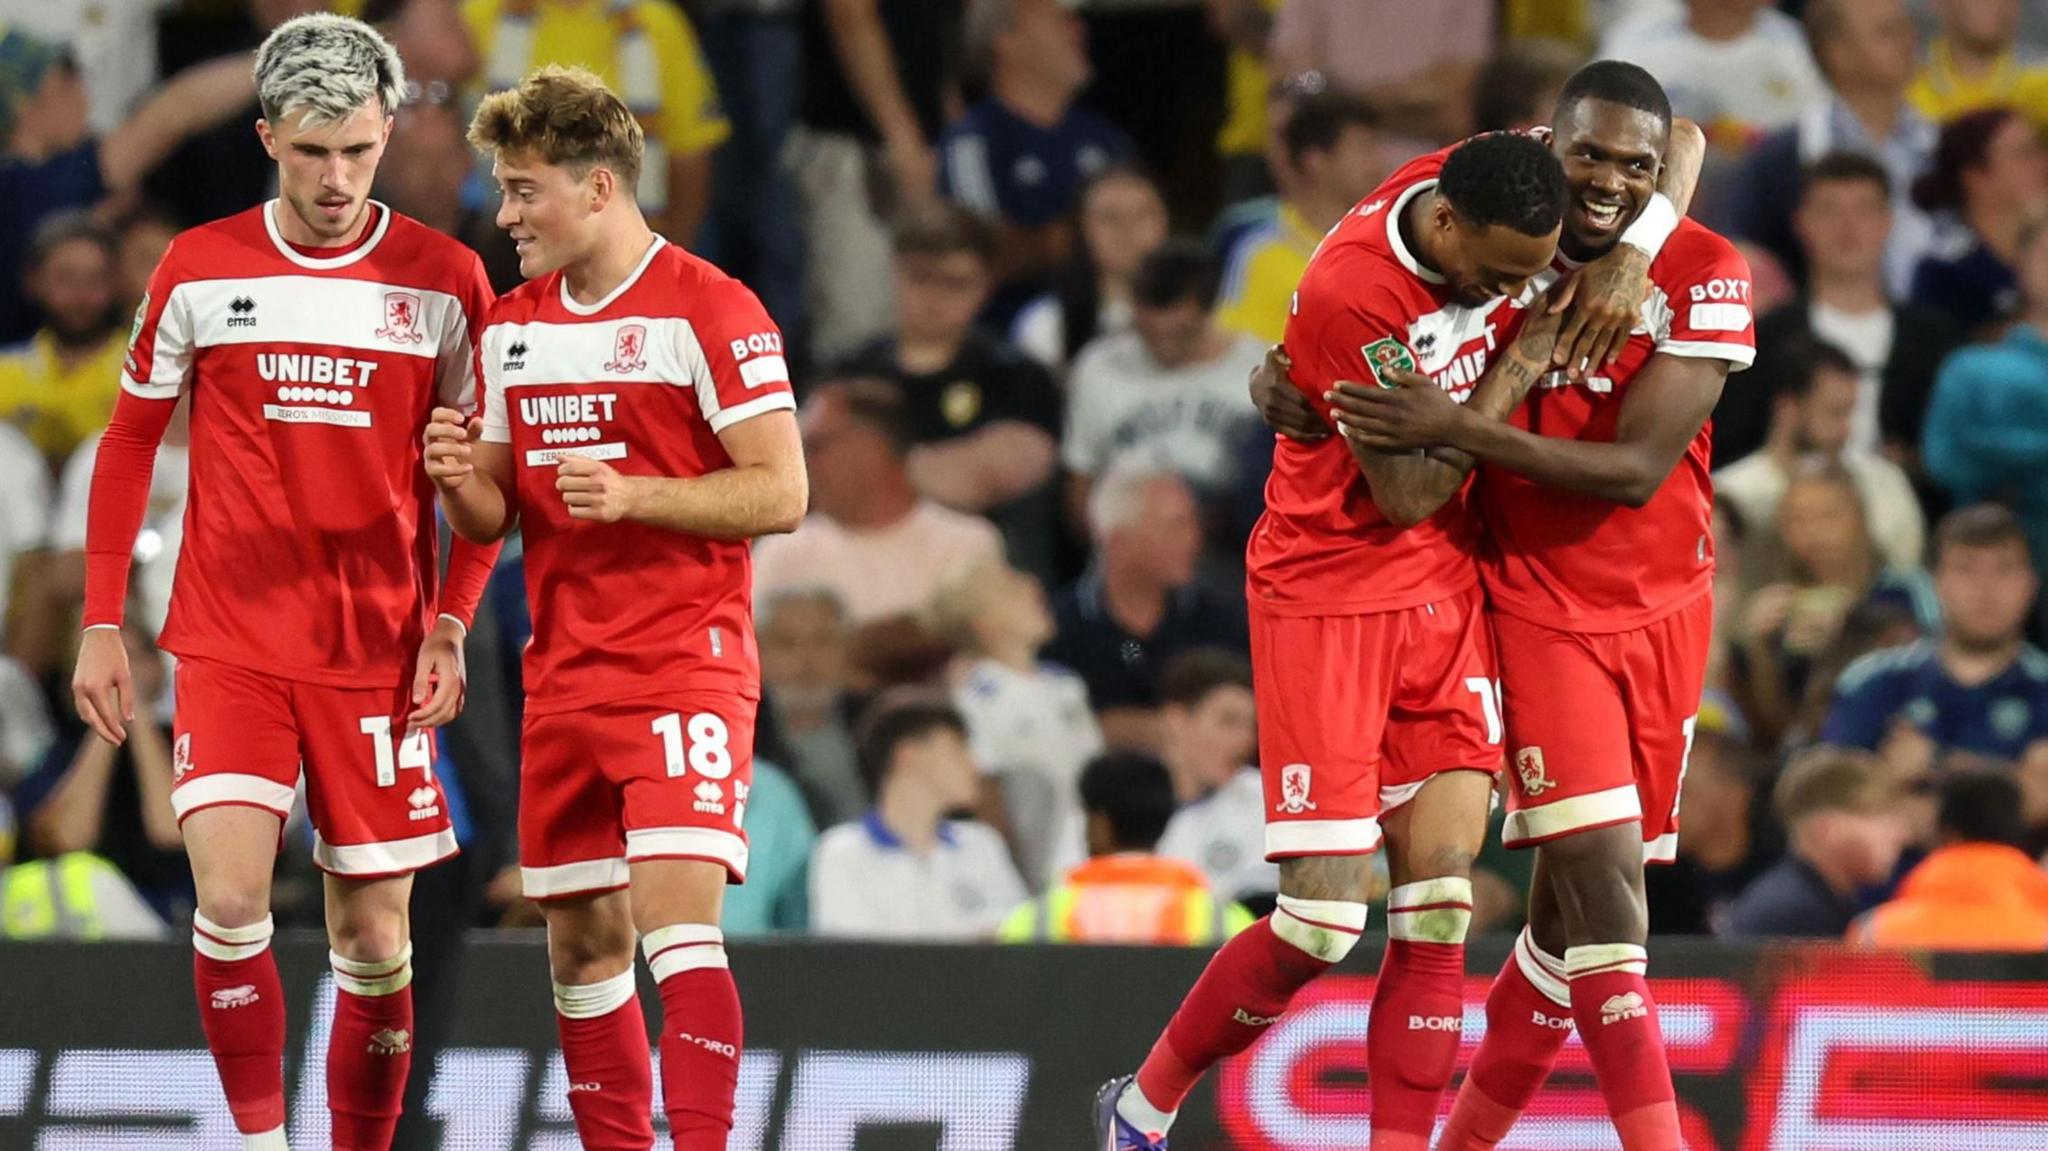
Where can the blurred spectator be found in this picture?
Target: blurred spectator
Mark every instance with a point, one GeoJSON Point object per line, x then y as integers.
{"type": "Point", "coordinates": [24, 513]}
{"type": "Point", "coordinates": [876, 87]}
{"type": "Point", "coordinates": [1021, 154]}
{"type": "Point", "coordinates": [90, 795]}
{"type": "Point", "coordinates": [113, 43]}
{"type": "Point", "coordinates": [1976, 62]}
{"type": "Point", "coordinates": [145, 236]}
{"type": "Point", "coordinates": [1724, 846]}
{"type": "Point", "coordinates": [25, 727]}
{"type": "Point", "coordinates": [157, 546]}
{"type": "Point", "coordinates": [427, 163]}
{"type": "Point", "coordinates": [1245, 26]}
{"type": "Point", "coordinates": [1208, 739]}
{"type": "Point", "coordinates": [906, 870]}
{"type": "Point", "coordinates": [1867, 51]}
{"type": "Point", "coordinates": [1814, 398]}
{"type": "Point", "coordinates": [983, 417]}
{"type": "Point", "coordinates": [1825, 569]}
{"type": "Point", "coordinates": [1172, 392]}
{"type": "Point", "coordinates": [1414, 63]}
{"type": "Point", "coordinates": [430, 37]}
{"type": "Point", "coordinates": [61, 388]}
{"type": "Point", "coordinates": [1124, 892]}
{"type": "Point", "coordinates": [870, 537]}
{"type": "Point", "coordinates": [1139, 605]}
{"type": "Point", "coordinates": [1739, 68]}
{"type": "Point", "coordinates": [1028, 720]}
{"type": "Point", "coordinates": [1977, 891]}
{"type": "Point", "coordinates": [1979, 687]}
{"type": "Point", "coordinates": [755, 49]}
{"type": "Point", "coordinates": [1844, 835]}
{"type": "Point", "coordinates": [780, 838]}
{"type": "Point", "coordinates": [79, 897]}
{"type": "Point", "coordinates": [53, 161]}
{"type": "Point", "coordinates": [1122, 220]}
{"type": "Point", "coordinates": [1517, 88]}
{"type": "Point", "coordinates": [1843, 221]}
{"type": "Point", "coordinates": [1986, 432]}
{"type": "Point", "coordinates": [807, 710]}
{"type": "Point", "coordinates": [1991, 177]}
{"type": "Point", "coordinates": [1334, 162]}
{"type": "Point", "coordinates": [646, 51]}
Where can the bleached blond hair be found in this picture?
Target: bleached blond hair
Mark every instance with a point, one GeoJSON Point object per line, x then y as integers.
{"type": "Point", "coordinates": [322, 68]}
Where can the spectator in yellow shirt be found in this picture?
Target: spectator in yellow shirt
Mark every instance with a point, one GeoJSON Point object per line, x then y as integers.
{"type": "Point", "coordinates": [1246, 137]}
{"type": "Point", "coordinates": [1976, 62]}
{"type": "Point", "coordinates": [1334, 161]}
{"type": "Point", "coordinates": [61, 386]}
{"type": "Point", "coordinates": [645, 51]}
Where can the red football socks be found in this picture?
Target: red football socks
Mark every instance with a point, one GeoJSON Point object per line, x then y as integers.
{"type": "Point", "coordinates": [1618, 1024]}
{"type": "Point", "coordinates": [1528, 1019]}
{"type": "Point", "coordinates": [369, 1052]}
{"type": "Point", "coordinates": [1418, 1010]}
{"type": "Point", "coordinates": [700, 1033]}
{"type": "Point", "coordinates": [610, 1065]}
{"type": "Point", "coordinates": [241, 1009]}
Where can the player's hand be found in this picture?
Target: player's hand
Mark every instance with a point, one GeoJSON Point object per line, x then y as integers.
{"type": "Point", "coordinates": [1411, 415]}
{"type": "Point", "coordinates": [594, 490]}
{"type": "Point", "coordinates": [101, 687]}
{"type": "Point", "coordinates": [449, 437]}
{"type": "Point", "coordinates": [1606, 302]}
{"type": "Point", "coordinates": [441, 680]}
{"type": "Point", "coordinates": [1281, 404]}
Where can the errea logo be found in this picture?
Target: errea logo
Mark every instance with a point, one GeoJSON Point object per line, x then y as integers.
{"type": "Point", "coordinates": [241, 312]}
{"type": "Point", "coordinates": [515, 356]}
{"type": "Point", "coordinates": [425, 802]}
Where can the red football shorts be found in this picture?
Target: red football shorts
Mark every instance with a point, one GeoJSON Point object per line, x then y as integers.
{"type": "Point", "coordinates": [642, 779]}
{"type": "Point", "coordinates": [241, 737]}
{"type": "Point", "coordinates": [1600, 725]}
{"type": "Point", "coordinates": [1356, 712]}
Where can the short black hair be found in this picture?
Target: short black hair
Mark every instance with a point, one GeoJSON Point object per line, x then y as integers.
{"type": "Point", "coordinates": [1180, 270]}
{"type": "Point", "coordinates": [1191, 675]}
{"type": "Point", "coordinates": [894, 719]}
{"type": "Point", "coordinates": [1803, 362]}
{"type": "Point", "coordinates": [1617, 82]}
{"type": "Point", "coordinates": [1845, 168]}
{"type": "Point", "coordinates": [1134, 793]}
{"type": "Point", "coordinates": [1506, 178]}
{"type": "Point", "coordinates": [939, 228]}
{"type": "Point", "coordinates": [878, 404]}
{"type": "Point", "coordinates": [1979, 806]}
{"type": "Point", "coordinates": [1319, 121]}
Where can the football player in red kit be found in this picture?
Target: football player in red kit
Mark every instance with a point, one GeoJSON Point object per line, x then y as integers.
{"type": "Point", "coordinates": [638, 429]}
{"type": "Point", "coordinates": [1373, 661]}
{"type": "Point", "coordinates": [311, 336]}
{"type": "Point", "coordinates": [1599, 571]}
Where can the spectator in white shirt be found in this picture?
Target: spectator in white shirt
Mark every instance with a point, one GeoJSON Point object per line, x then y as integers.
{"type": "Point", "coordinates": [24, 507]}
{"type": "Point", "coordinates": [1171, 392]}
{"type": "Point", "coordinates": [870, 538]}
{"type": "Point", "coordinates": [1740, 68]}
{"type": "Point", "coordinates": [163, 524]}
{"type": "Point", "coordinates": [1029, 721]}
{"type": "Point", "coordinates": [1208, 739]}
{"type": "Point", "coordinates": [1812, 413]}
{"type": "Point", "coordinates": [907, 871]}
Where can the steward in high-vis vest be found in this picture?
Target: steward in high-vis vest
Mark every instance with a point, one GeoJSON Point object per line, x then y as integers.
{"type": "Point", "coordinates": [77, 895]}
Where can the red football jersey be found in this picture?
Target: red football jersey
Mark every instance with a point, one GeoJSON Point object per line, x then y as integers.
{"type": "Point", "coordinates": [310, 543]}
{"type": "Point", "coordinates": [1587, 564]}
{"type": "Point", "coordinates": [1322, 547]}
{"type": "Point", "coordinates": [645, 379]}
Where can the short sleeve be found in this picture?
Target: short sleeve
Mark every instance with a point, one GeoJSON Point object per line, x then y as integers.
{"type": "Point", "coordinates": [1860, 713]}
{"type": "Point", "coordinates": [737, 366]}
{"type": "Point", "coordinates": [1344, 328]}
{"type": "Point", "coordinates": [1704, 310]}
{"type": "Point", "coordinates": [1085, 441]}
{"type": "Point", "coordinates": [691, 119]}
{"type": "Point", "coordinates": [966, 175]}
{"type": "Point", "coordinates": [457, 372]}
{"type": "Point", "coordinates": [497, 424]}
{"type": "Point", "coordinates": [160, 342]}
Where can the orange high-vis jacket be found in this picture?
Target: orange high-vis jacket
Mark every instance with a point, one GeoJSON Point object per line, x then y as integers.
{"type": "Point", "coordinates": [1969, 897]}
{"type": "Point", "coordinates": [1128, 898]}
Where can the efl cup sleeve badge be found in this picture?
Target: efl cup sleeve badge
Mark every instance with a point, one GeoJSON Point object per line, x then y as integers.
{"type": "Point", "coordinates": [1529, 769]}
{"type": "Point", "coordinates": [1385, 355]}
{"type": "Point", "coordinates": [181, 757]}
{"type": "Point", "coordinates": [401, 319]}
{"type": "Point", "coordinates": [1294, 782]}
{"type": "Point", "coordinates": [629, 350]}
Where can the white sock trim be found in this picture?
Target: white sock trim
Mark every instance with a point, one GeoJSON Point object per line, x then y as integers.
{"type": "Point", "coordinates": [228, 944]}
{"type": "Point", "coordinates": [271, 1140]}
{"type": "Point", "coordinates": [372, 977]}
{"type": "Point", "coordinates": [1141, 1112]}
{"type": "Point", "coordinates": [1325, 928]}
{"type": "Point", "coordinates": [1543, 970]}
{"type": "Point", "coordinates": [1600, 958]}
{"type": "Point", "coordinates": [1430, 910]}
{"type": "Point", "coordinates": [591, 1000]}
{"type": "Point", "coordinates": [683, 947]}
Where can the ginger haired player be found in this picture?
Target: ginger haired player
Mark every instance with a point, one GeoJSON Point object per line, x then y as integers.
{"type": "Point", "coordinates": [311, 336]}
{"type": "Point", "coordinates": [1599, 572]}
{"type": "Point", "coordinates": [639, 430]}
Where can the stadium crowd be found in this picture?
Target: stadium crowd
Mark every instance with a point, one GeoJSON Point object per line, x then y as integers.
{"type": "Point", "coordinates": [1027, 254]}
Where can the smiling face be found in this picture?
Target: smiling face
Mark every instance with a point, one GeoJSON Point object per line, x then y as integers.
{"type": "Point", "coordinates": [548, 211]}
{"type": "Point", "coordinates": [324, 171]}
{"type": "Point", "coordinates": [1611, 155]}
{"type": "Point", "coordinates": [1480, 262]}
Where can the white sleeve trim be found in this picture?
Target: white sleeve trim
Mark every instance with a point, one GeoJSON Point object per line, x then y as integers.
{"type": "Point", "coordinates": [136, 387]}
{"type": "Point", "coordinates": [739, 413]}
{"type": "Point", "coordinates": [451, 618]}
{"type": "Point", "coordinates": [1740, 355]}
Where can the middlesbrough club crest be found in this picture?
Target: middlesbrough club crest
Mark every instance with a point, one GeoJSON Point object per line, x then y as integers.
{"type": "Point", "coordinates": [401, 318]}
{"type": "Point", "coordinates": [1294, 784]}
{"type": "Point", "coordinates": [629, 350]}
{"type": "Point", "coordinates": [1530, 770]}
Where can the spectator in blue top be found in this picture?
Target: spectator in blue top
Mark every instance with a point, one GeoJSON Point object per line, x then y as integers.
{"type": "Point", "coordinates": [1991, 175]}
{"type": "Point", "coordinates": [1979, 687]}
{"type": "Point", "coordinates": [1986, 433]}
{"type": "Point", "coordinates": [1021, 154]}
